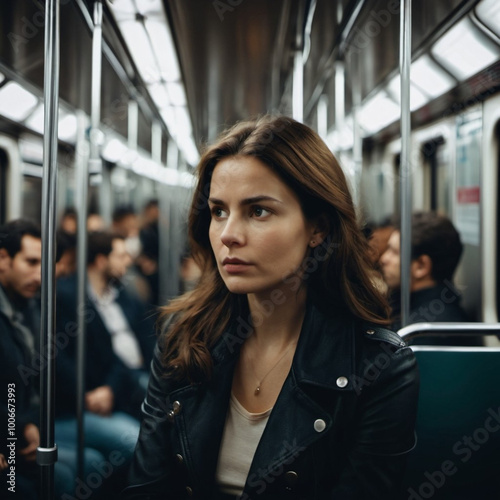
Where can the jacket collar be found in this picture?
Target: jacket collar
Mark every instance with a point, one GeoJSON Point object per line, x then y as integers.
{"type": "Point", "coordinates": [325, 350]}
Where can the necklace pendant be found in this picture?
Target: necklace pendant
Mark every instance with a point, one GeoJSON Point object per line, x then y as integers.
{"type": "Point", "coordinates": [257, 390]}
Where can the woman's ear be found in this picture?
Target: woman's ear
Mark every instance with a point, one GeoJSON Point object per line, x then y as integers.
{"type": "Point", "coordinates": [321, 228]}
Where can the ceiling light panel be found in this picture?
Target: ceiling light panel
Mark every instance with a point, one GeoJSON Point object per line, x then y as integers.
{"type": "Point", "coordinates": [430, 78]}
{"type": "Point", "coordinates": [16, 102]}
{"type": "Point", "coordinates": [464, 50]}
{"type": "Point", "coordinates": [417, 97]}
{"type": "Point", "coordinates": [378, 112]}
{"type": "Point", "coordinates": [488, 12]}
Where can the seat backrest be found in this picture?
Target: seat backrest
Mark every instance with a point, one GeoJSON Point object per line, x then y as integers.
{"type": "Point", "coordinates": [457, 455]}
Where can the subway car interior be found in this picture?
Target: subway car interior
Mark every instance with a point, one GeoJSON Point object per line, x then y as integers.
{"type": "Point", "coordinates": [142, 86]}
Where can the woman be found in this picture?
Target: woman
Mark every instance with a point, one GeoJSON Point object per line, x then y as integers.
{"type": "Point", "coordinates": [274, 377]}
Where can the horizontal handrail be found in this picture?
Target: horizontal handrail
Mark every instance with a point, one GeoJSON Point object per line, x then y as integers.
{"type": "Point", "coordinates": [421, 329]}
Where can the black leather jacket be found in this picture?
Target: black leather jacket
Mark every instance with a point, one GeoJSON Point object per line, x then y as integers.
{"type": "Point", "coordinates": [340, 428]}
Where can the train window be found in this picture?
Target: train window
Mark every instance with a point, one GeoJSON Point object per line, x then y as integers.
{"type": "Point", "coordinates": [436, 176]}
{"type": "Point", "coordinates": [32, 198]}
{"type": "Point", "coordinates": [3, 186]}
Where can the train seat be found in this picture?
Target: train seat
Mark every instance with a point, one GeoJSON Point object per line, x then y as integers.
{"type": "Point", "coordinates": [457, 455]}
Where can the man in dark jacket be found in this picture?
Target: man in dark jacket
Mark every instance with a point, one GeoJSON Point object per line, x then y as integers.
{"type": "Point", "coordinates": [20, 279]}
{"type": "Point", "coordinates": [435, 252]}
{"type": "Point", "coordinates": [119, 344]}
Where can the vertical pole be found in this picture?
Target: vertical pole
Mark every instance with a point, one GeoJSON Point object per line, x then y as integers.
{"type": "Point", "coordinates": [298, 87]}
{"type": "Point", "coordinates": [47, 451]}
{"type": "Point", "coordinates": [357, 148]}
{"type": "Point", "coordinates": [93, 165]}
{"type": "Point", "coordinates": [405, 167]}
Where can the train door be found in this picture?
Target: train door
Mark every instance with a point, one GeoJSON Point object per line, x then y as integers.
{"type": "Point", "coordinates": [467, 207]}
{"type": "Point", "coordinates": [436, 176]}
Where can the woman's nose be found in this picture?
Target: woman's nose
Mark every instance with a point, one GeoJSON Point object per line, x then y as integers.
{"type": "Point", "coordinates": [233, 233]}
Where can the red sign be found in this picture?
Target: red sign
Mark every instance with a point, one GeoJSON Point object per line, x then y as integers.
{"type": "Point", "coordinates": [468, 194]}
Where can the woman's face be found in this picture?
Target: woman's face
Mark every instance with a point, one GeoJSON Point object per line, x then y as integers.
{"type": "Point", "coordinates": [258, 232]}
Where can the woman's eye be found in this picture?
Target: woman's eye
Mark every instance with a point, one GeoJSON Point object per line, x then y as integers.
{"type": "Point", "coordinates": [260, 212]}
{"type": "Point", "coordinates": [218, 212]}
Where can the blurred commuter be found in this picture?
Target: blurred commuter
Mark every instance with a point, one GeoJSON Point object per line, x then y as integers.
{"type": "Point", "coordinates": [147, 261]}
{"type": "Point", "coordinates": [120, 335]}
{"type": "Point", "coordinates": [378, 238]}
{"type": "Point", "coordinates": [435, 252]}
{"type": "Point", "coordinates": [65, 254]}
{"type": "Point", "coordinates": [69, 221]}
{"type": "Point", "coordinates": [127, 225]}
{"type": "Point", "coordinates": [95, 222]}
{"type": "Point", "coordinates": [20, 274]}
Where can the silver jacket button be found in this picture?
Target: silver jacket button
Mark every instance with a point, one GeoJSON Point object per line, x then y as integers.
{"type": "Point", "coordinates": [291, 477]}
{"type": "Point", "coordinates": [189, 491]}
{"type": "Point", "coordinates": [319, 425]}
{"type": "Point", "coordinates": [370, 332]}
{"type": "Point", "coordinates": [342, 381]}
{"type": "Point", "coordinates": [179, 458]}
{"type": "Point", "coordinates": [170, 416]}
{"type": "Point", "coordinates": [176, 405]}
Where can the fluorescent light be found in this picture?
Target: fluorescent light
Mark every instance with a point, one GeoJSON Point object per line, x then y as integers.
{"type": "Point", "coordinates": [417, 98]}
{"type": "Point", "coordinates": [123, 9]}
{"type": "Point", "coordinates": [16, 102]}
{"type": "Point", "coordinates": [168, 115]}
{"type": "Point", "coordinates": [35, 120]}
{"type": "Point", "coordinates": [140, 47]}
{"type": "Point", "coordinates": [164, 48]}
{"type": "Point", "coordinates": [488, 11]}
{"type": "Point", "coordinates": [464, 51]}
{"type": "Point", "coordinates": [183, 121]}
{"type": "Point", "coordinates": [114, 150]}
{"type": "Point", "coordinates": [176, 93]}
{"type": "Point", "coordinates": [67, 127]}
{"type": "Point", "coordinates": [189, 150]}
{"type": "Point", "coordinates": [146, 7]}
{"type": "Point", "coordinates": [159, 94]}
{"type": "Point", "coordinates": [378, 112]}
{"type": "Point", "coordinates": [429, 77]}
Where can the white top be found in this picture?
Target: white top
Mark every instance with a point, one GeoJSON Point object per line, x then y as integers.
{"type": "Point", "coordinates": [123, 340]}
{"type": "Point", "coordinates": [242, 433]}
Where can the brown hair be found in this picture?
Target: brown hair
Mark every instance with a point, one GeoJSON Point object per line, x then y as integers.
{"type": "Point", "coordinates": [341, 274]}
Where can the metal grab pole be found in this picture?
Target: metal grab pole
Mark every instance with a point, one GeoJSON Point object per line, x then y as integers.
{"type": "Point", "coordinates": [93, 165]}
{"type": "Point", "coordinates": [47, 451]}
{"type": "Point", "coordinates": [405, 166]}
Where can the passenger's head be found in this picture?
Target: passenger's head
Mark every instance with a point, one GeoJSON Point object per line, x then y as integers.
{"type": "Point", "coordinates": [107, 255]}
{"type": "Point", "coordinates": [66, 254]}
{"type": "Point", "coordinates": [151, 212]}
{"type": "Point", "coordinates": [69, 221]}
{"type": "Point", "coordinates": [125, 221]}
{"type": "Point", "coordinates": [95, 222]}
{"type": "Point", "coordinates": [435, 252]}
{"type": "Point", "coordinates": [20, 258]}
{"type": "Point", "coordinates": [319, 243]}
{"type": "Point", "coordinates": [378, 238]}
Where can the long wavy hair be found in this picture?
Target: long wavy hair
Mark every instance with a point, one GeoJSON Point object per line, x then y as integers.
{"type": "Point", "coordinates": [341, 270]}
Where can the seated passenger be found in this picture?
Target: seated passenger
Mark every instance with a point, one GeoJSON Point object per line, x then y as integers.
{"type": "Point", "coordinates": [20, 274]}
{"type": "Point", "coordinates": [119, 345]}
{"type": "Point", "coordinates": [435, 252]}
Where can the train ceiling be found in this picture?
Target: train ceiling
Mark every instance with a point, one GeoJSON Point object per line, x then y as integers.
{"type": "Point", "coordinates": [235, 58]}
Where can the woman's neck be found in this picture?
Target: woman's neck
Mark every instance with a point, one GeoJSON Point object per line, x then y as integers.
{"type": "Point", "coordinates": [277, 317]}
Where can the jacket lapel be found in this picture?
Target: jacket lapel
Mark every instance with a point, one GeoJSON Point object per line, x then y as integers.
{"type": "Point", "coordinates": [323, 359]}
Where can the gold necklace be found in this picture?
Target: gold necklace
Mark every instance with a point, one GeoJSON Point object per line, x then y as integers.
{"type": "Point", "coordinates": [257, 389]}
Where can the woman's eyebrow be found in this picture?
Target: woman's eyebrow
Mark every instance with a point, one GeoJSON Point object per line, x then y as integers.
{"type": "Point", "coordinates": [246, 201]}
